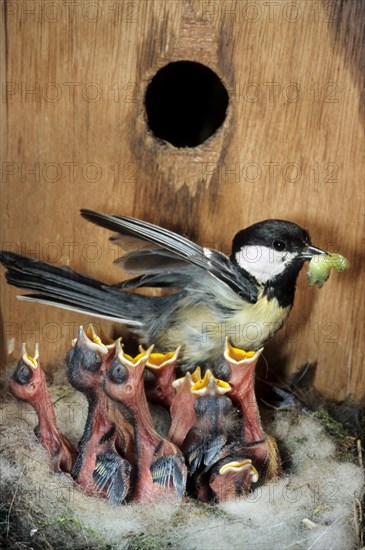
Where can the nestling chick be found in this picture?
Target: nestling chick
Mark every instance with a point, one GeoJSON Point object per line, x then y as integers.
{"type": "Point", "coordinates": [261, 448]}
{"type": "Point", "coordinates": [162, 366]}
{"type": "Point", "coordinates": [231, 478]}
{"type": "Point", "coordinates": [29, 384]}
{"type": "Point", "coordinates": [159, 468]}
{"type": "Point", "coordinates": [211, 435]}
{"type": "Point", "coordinates": [99, 469]}
{"type": "Point", "coordinates": [220, 464]}
{"type": "Point", "coordinates": [182, 409]}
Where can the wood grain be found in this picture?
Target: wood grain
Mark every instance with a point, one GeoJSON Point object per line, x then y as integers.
{"type": "Point", "coordinates": [292, 147]}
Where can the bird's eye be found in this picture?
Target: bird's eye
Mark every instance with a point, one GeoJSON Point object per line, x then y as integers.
{"type": "Point", "coordinates": [117, 372]}
{"type": "Point", "coordinates": [23, 374]}
{"type": "Point", "coordinates": [91, 361]}
{"type": "Point", "coordinates": [278, 245]}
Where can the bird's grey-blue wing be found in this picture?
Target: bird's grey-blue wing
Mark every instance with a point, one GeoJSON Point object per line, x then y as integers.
{"type": "Point", "coordinates": [169, 468]}
{"type": "Point", "coordinates": [180, 251]}
{"type": "Point", "coordinates": [112, 473]}
{"type": "Point", "coordinates": [204, 452]}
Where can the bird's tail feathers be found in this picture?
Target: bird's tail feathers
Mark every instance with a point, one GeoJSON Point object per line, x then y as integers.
{"type": "Point", "coordinates": [67, 289]}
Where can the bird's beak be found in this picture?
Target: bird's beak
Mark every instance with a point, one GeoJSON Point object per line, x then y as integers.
{"type": "Point", "coordinates": [209, 385]}
{"type": "Point", "coordinates": [91, 340]}
{"type": "Point", "coordinates": [193, 378]}
{"type": "Point", "coordinates": [312, 251]}
{"type": "Point", "coordinates": [238, 356]}
{"type": "Point", "coordinates": [28, 360]}
{"type": "Point", "coordinates": [236, 467]}
{"type": "Point", "coordinates": [160, 360]}
{"type": "Point", "coordinates": [129, 361]}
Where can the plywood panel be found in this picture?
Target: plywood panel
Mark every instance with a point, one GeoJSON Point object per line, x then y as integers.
{"type": "Point", "coordinates": [292, 147]}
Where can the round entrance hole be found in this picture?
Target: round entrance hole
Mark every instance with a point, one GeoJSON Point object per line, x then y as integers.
{"type": "Point", "coordinates": [186, 102]}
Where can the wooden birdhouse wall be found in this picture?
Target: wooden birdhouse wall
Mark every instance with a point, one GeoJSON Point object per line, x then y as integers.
{"type": "Point", "coordinates": [74, 77]}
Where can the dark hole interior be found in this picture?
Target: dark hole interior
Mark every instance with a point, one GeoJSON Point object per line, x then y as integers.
{"type": "Point", "coordinates": [185, 103]}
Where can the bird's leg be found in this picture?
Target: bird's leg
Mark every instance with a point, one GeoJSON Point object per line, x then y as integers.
{"type": "Point", "coordinates": [261, 448]}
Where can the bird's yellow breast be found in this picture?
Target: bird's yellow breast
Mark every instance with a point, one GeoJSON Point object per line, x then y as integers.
{"type": "Point", "coordinates": [254, 325]}
{"type": "Point", "coordinates": [202, 328]}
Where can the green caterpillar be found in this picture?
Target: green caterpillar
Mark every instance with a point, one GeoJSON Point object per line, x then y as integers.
{"type": "Point", "coordinates": [321, 265]}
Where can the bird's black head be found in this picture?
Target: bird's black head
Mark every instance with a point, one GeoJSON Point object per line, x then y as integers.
{"type": "Point", "coordinates": [273, 252]}
{"type": "Point", "coordinates": [266, 249]}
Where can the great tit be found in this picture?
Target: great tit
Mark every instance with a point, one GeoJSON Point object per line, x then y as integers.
{"type": "Point", "coordinates": [246, 296]}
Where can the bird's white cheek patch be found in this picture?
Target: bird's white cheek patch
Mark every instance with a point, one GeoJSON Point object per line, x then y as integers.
{"type": "Point", "coordinates": [263, 262]}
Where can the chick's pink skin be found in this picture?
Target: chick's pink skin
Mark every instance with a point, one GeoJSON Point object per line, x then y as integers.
{"type": "Point", "coordinates": [100, 434]}
{"type": "Point", "coordinates": [215, 428]}
{"type": "Point", "coordinates": [91, 383]}
{"type": "Point", "coordinates": [229, 486]}
{"type": "Point", "coordinates": [162, 392]}
{"type": "Point", "coordinates": [263, 452]}
{"type": "Point", "coordinates": [149, 446]}
{"type": "Point", "coordinates": [124, 439]}
{"type": "Point", "coordinates": [182, 412]}
{"type": "Point", "coordinates": [100, 424]}
{"type": "Point", "coordinates": [35, 392]}
{"type": "Point", "coordinates": [163, 369]}
{"type": "Point", "coordinates": [242, 380]}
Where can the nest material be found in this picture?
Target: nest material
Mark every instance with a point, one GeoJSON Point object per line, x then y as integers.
{"type": "Point", "coordinates": [312, 507]}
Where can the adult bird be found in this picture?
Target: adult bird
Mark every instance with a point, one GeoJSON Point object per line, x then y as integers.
{"type": "Point", "coordinates": [246, 296]}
